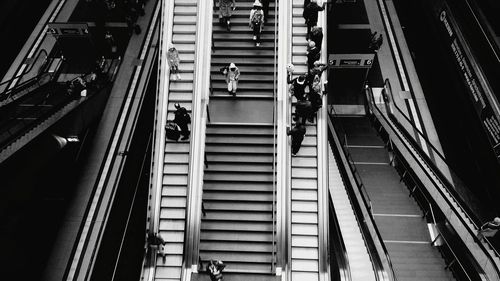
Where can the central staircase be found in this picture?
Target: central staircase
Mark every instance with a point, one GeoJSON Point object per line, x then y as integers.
{"type": "Point", "coordinates": [238, 227]}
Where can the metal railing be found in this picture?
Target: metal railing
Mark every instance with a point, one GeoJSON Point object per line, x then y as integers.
{"type": "Point", "coordinates": [432, 168]}
{"type": "Point", "coordinates": [376, 248]}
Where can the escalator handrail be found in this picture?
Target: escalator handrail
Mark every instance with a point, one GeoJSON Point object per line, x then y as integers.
{"type": "Point", "coordinates": [446, 184]}
{"type": "Point", "coordinates": [14, 87]}
{"type": "Point", "coordinates": [159, 139]}
{"type": "Point", "coordinates": [283, 171]}
{"type": "Point", "coordinates": [342, 259]}
{"type": "Point", "coordinates": [348, 171]}
{"type": "Point", "coordinates": [322, 158]}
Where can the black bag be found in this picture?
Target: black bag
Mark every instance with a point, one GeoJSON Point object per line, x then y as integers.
{"type": "Point", "coordinates": [172, 131]}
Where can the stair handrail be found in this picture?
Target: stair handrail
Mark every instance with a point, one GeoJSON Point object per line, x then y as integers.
{"type": "Point", "coordinates": [283, 185]}
{"type": "Point", "coordinates": [161, 113]}
{"type": "Point", "coordinates": [201, 96]}
{"type": "Point", "coordinates": [322, 167]}
{"type": "Point", "coordinates": [392, 119]}
{"type": "Point", "coordinates": [367, 225]}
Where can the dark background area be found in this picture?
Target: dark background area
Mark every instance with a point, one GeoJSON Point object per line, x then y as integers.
{"type": "Point", "coordinates": [17, 20]}
{"type": "Point", "coordinates": [463, 139]}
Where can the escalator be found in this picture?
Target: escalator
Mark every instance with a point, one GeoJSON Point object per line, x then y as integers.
{"type": "Point", "coordinates": [399, 219]}
{"type": "Point", "coordinates": [38, 103]}
{"type": "Point", "coordinates": [173, 169]}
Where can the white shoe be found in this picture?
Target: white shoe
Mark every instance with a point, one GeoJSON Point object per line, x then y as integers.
{"type": "Point", "coordinates": [255, 38]}
{"type": "Point", "coordinates": [178, 76]}
{"type": "Point", "coordinates": [174, 77]}
{"type": "Point", "coordinates": [257, 44]}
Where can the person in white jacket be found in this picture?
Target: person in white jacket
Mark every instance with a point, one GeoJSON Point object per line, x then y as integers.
{"type": "Point", "coordinates": [232, 74]}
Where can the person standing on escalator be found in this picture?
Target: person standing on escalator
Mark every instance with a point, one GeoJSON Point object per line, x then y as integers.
{"type": "Point", "coordinates": [297, 134]}
{"type": "Point", "coordinates": [489, 229]}
{"type": "Point", "coordinates": [226, 8]}
{"type": "Point", "coordinates": [316, 35]}
{"type": "Point", "coordinates": [182, 119]}
{"type": "Point", "coordinates": [311, 14]}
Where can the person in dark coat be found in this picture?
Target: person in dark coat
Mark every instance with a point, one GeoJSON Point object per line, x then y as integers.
{"type": "Point", "coordinates": [316, 35]}
{"type": "Point", "coordinates": [303, 111]}
{"type": "Point", "coordinates": [313, 55]}
{"type": "Point", "coordinates": [157, 243]}
{"type": "Point", "coordinates": [311, 14]}
{"type": "Point", "coordinates": [376, 42]}
{"type": "Point", "coordinates": [214, 269]}
{"type": "Point", "coordinates": [298, 86]}
{"type": "Point", "coordinates": [297, 134]}
{"type": "Point", "coordinates": [182, 119]}
{"type": "Point", "coordinates": [306, 2]}
{"type": "Point", "coordinates": [265, 8]}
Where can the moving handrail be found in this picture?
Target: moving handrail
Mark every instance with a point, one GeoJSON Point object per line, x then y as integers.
{"type": "Point", "coordinates": [283, 171]}
{"type": "Point", "coordinates": [382, 264]}
{"type": "Point", "coordinates": [341, 265]}
{"type": "Point", "coordinates": [12, 85]}
{"type": "Point", "coordinates": [322, 144]}
{"type": "Point", "coordinates": [396, 125]}
{"type": "Point", "coordinates": [154, 204]}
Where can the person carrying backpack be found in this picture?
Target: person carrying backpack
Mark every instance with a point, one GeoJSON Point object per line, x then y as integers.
{"type": "Point", "coordinates": [182, 119]}
{"type": "Point", "coordinates": [226, 8]}
{"type": "Point", "coordinates": [256, 21]}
